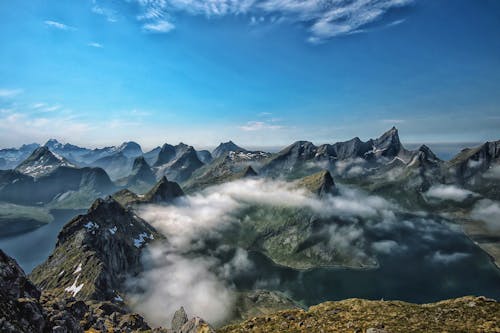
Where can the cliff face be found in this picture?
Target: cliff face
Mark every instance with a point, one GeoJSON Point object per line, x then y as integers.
{"type": "Point", "coordinates": [467, 314]}
{"type": "Point", "coordinates": [95, 252]}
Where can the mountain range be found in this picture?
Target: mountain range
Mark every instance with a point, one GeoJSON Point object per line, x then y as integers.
{"type": "Point", "coordinates": [86, 284]}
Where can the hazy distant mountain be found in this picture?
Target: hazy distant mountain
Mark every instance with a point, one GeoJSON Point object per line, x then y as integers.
{"type": "Point", "coordinates": [152, 155]}
{"type": "Point", "coordinates": [12, 156]}
{"type": "Point", "coordinates": [130, 149]}
{"type": "Point", "coordinates": [165, 155]}
{"type": "Point", "coordinates": [205, 156]}
{"type": "Point", "coordinates": [41, 162]}
{"type": "Point", "coordinates": [75, 187]}
{"type": "Point", "coordinates": [225, 147]}
{"type": "Point", "coordinates": [116, 165]}
{"type": "Point", "coordinates": [177, 163]}
{"type": "Point", "coordinates": [141, 178]}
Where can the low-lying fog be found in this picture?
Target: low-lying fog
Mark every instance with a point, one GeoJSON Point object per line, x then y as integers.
{"type": "Point", "coordinates": [421, 257]}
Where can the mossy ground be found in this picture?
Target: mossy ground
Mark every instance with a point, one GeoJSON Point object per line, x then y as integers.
{"type": "Point", "coordinates": [462, 315]}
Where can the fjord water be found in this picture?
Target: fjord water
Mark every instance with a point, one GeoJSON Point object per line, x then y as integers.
{"type": "Point", "coordinates": [413, 274]}
{"type": "Point", "coordinates": [32, 248]}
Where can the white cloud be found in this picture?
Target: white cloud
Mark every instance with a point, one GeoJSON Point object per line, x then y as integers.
{"type": "Point", "coordinates": [18, 127]}
{"type": "Point", "coordinates": [7, 93]}
{"type": "Point", "coordinates": [393, 121]}
{"type": "Point", "coordinates": [182, 281]}
{"type": "Point", "coordinates": [109, 14]}
{"type": "Point", "coordinates": [259, 126]}
{"type": "Point", "coordinates": [58, 25]}
{"type": "Point", "coordinates": [160, 26]}
{"type": "Point", "coordinates": [493, 172]}
{"type": "Point", "coordinates": [95, 44]}
{"type": "Point", "coordinates": [489, 212]}
{"type": "Point", "coordinates": [448, 258]}
{"type": "Point", "coordinates": [449, 192]}
{"type": "Point", "coordinates": [388, 247]}
{"type": "Point", "coordinates": [395, 23]}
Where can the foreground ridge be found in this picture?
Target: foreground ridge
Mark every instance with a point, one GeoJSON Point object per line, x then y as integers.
{"type": "Point", "coordinates": [466, 314]}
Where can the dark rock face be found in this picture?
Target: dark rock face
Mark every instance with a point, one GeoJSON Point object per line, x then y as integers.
{"type": "Point", "coordinates": [20, 310]}
{"type": "Point", "coordinates": [225, 147]}
{"type": "Point", "coordinates": [291, 157]}
{"type": "Point", "coordinates": [95, 252]}
{"type": "Point", "coordinates": [248, 172]}
{"type": "Point", "coordinates": [303, 157]}
{"type": "Point", "coordinates": [470, 164]}
{"type": "Point", "coordinates": [388, 145]}
{"type": "Point", "coordinates": [166, 154]}
{"type": "Point", "coordinates": [163, 191]}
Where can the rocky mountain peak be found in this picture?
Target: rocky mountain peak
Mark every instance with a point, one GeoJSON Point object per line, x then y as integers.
{"type": "Point", "coordinates": [130, 149]}
{"type": "Point", "coordinates": [41, 162]}
{"type": "Point", "coordinates": [139, 163]}
{"type": "Point", "coordinates": [225, 147]}
{"type": "Point", "coordinates": [320, 183]}
{"type": "Point", "coordinates": [53, 143]}
{"type": "Point", "coordinates": [29, 147]}
{"type": "Point", "coordinates": [424, 158]}
{"type": "Point", "coordinates": [163, 191]}
{"type": "Point", "coordinates": [95, 252]}
{"type": "Point", "coordinates": [166, 154]}
{"type": "Point", "coordinates": [388, 144]}
{"type": "Point", "coordinates": [249, 172]}
{"type": "Point", "coordinates": [181, 324]}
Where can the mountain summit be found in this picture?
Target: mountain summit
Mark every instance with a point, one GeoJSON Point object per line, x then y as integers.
{"type": "Point", "coordinates": [41, 162]}
{"type": "Point", "coordinates": [225, 147]}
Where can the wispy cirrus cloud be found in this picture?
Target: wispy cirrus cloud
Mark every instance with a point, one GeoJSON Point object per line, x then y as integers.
{"type": "Point", "coordinates": [323, 19]}
{"type": "Point", "coordinates": [110, 14]}
{"type": "Point", "coordinates": [7, 93]}
{"type": "Point", "coordinates": [58, 25]}
{"type": "Point", "coordinates": [96, 45]}
{"type": "Point", "coordinates": [160, 26]}
{"type": "Point", "coordinates": [259, 126]}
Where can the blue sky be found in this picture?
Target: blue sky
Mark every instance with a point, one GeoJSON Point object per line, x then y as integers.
{"type": "Point", "coordinates": [260, 72]}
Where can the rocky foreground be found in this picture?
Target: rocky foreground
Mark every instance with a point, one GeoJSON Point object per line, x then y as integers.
{"type": "Point", "coordinates": [466, 314]}
{"type": "Point", "coordinates": [23, 308]}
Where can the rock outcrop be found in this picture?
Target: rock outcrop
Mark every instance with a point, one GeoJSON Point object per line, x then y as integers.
{"type": "Point", "coordinates": [95, 252]}
{"type": "Point", "coordinates": [181, 324]}
{"type": "Point", "coordinates": [320, 183]}
{"type": "Point", "coordinates": [467, 314]}
{"type": "Point", "coordinates": [163, 191]}
{"type": "Point", "coordinates": [20, 309]}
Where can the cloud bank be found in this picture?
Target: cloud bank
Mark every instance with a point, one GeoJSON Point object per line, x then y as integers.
{"type": "Point", "coordinates": [488, 211]}
{"type": "Point", "coordinates": [197, 267]}
{"type": "Point", "coordinates": [449, 192]}
{"type": "Point", "coordinates": [189, 272]}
